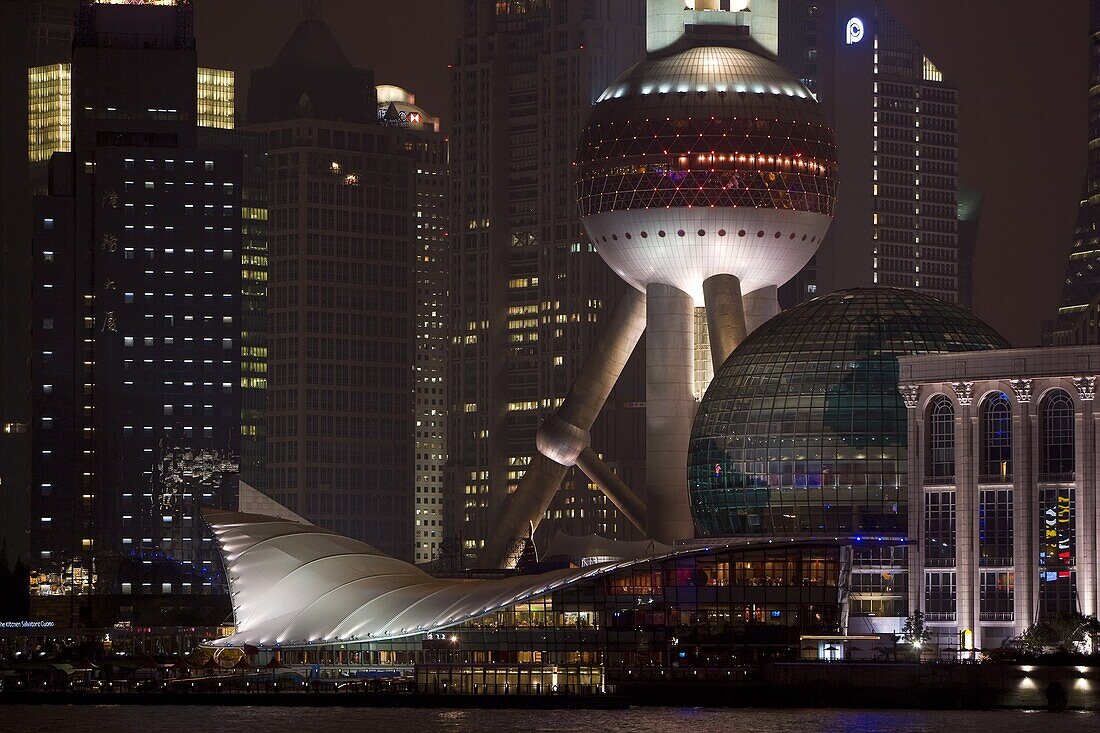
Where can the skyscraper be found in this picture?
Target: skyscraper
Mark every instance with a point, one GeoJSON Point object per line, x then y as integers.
{"type": "Point", "coordinates": [136, 321]}
{"type": "Point", "coordinates": [51, 26]}
{"type": "Point", "coordinates": [49, 131]}
{"type": "Point", "coordinates": [218, 131]}
{"type": "Point", "coordinates": [530, 294]}
{"type": "Point", "coordinates": [419, 138]}
{"type": "Point", "coordinates": [1078, 319]}
{"type": "Point", "coordinates": [351, 204]}
{"type": "Point", "coordinates": [36, 47]}
{"type": "Point", "coordinates": [895, 116]}
{"type": "Point", "coordinates": [15, 408]}
{"type": "Point", "coordinates": [798, 39]}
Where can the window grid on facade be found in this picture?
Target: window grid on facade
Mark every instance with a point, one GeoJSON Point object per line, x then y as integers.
{"type": "Point", "coordinates": [939, 528]}
{"type": "Point", "coordinates": [997, 591]}
{"type": "Point", "coordinates": [941, 440]}
{"type": "Point", "coordinates": [1057, 438]}
{"type": "Point", "coordinates": [995, 527]}
{"type": "Point", "coordinates": [939, 595]}
{"type": "Point", "coordinates": [1057, 552]}
{"type": "Point", "coordinates": [996, 438]}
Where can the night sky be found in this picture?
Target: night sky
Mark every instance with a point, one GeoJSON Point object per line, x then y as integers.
{"type": "Point", "coordinates": [1020, 66]}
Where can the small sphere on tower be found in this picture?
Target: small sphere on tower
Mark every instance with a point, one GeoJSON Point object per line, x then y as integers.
{"type": "Point", "coordinates": [713, 160]}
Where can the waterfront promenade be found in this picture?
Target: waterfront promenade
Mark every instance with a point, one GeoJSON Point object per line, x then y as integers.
{"type": "Point", "coordinates": [779, 685]}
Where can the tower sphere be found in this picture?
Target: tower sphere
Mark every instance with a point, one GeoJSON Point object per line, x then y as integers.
{"type": "Point", "coordinates": [713, 160]}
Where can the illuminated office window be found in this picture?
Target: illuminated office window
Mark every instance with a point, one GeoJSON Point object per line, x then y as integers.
{"type": "Point", "coordinates": [931, 73]}
{"type": "Point", "coordinates": [215, 98]}
{"type": "Point", "coordinates": [49, 100]}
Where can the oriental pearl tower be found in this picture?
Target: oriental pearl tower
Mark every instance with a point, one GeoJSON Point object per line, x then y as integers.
{"type": "Point", "coordinates": [706, 176]}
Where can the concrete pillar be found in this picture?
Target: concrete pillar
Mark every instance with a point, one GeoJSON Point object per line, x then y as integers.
{"type": "Point", "coordinates": [664, 24]}
{"type": "Point", "coordinates": [966, 521]}
{"type": "Point", "coordinates": [763, 21]}
{"type": "Point", "coordinates": [1085, 434]}
{"type": "Point", "coordinates": [1090, 485]}
{"type": "Point", "coordinates": [1025, 515]}
{"type": "Point", "coordinates": [564, 436]}
{"type": "Point", "coordinates": [915, 550]}
{"type": "Point", "coordinates": [760, 306]}
{"type": "Point", "coordinates": [670, 410]}
{"type": "Point", "coordinates": [725, 316]}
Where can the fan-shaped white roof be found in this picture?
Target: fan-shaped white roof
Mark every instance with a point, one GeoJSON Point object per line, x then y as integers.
{"type": "Point", "coordinates": [294, 584]}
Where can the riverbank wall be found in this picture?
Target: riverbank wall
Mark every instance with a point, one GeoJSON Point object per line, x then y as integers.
{"type": "Point", "coordinates": [892, 685]}
{"type": "Point", "coordinates": [783, 685]}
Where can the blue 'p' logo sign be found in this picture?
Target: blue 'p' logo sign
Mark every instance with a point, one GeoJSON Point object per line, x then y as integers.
{"type": "Point", "coordinates": [853, 32]}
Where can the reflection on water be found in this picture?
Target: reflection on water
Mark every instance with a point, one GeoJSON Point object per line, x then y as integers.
{"type": "Point", "coordinates": [173, 719]}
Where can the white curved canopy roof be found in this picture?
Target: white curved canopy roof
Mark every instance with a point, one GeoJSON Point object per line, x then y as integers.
{"type": "Point", "coordinates": [294, 584]}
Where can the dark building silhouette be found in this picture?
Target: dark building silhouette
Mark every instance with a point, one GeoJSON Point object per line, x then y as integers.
{"type": "Point", "coordinates": [135, 327]}
{"type": "Point", "coordinates": [252, 148]}
{"type": "Point", "coordinates": [36, 44]}
{"type": "Point", "coordinates": [1078, 319]}
{"type": "Point", "coordinates": [530, 295]}
{"type": "Point", "coordinates": [799, 26]}
{"type": "Point", "coordinates": [311, 76]}
{"type": "Point", "coordinates": [51, 24]}
{"type": "Point", "coordinates": [15, 56]}
{"type": "Point", "coordinates": [971, 203]}
{"type": "Point", "coordinates": [348, 202]}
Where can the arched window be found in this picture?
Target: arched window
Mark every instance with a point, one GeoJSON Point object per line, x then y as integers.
{"type": "Point", "coordinates": [996, 428]}
{"type": "Point", "coordinates": [1056, 420]}
{"type": "Point", "coordinates": [941, 440]}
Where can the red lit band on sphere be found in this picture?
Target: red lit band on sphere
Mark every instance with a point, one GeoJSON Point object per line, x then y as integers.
{"type": "Point", "coordinates": [716, 161]}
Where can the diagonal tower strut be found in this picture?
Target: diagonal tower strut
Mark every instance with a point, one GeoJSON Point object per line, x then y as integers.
{"type": "Point", "coordinates": [563, 440]}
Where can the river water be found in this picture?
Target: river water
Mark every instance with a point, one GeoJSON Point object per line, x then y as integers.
{"type": "Point", "coordinates": [173, 719]}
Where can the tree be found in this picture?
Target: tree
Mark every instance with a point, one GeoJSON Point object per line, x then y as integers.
{"type": "Point", "coordinates": [20, 590]}
{"type": "Point", "coordinates": [1066, 633]}
{"type": "Point", "coordinates": [1036, 638]}
{"type": "Point", "coordinates": [915, 632]}
{"type": "Point", "coordinates": [6, 586]}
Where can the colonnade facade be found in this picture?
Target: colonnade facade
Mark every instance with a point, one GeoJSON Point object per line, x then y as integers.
{"type": "Point", "coordinates": [1003, 475]}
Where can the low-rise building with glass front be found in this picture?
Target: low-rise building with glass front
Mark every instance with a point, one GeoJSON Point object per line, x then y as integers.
{"type": "Point", "coordinates": [316, 599]}
{"type": "Point", "coordinates": [799, 481]}
{"type": "Point", "coordinates": [1002, 488]}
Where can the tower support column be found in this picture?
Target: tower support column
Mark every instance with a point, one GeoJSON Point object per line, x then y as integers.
{"type": "Point", "coordinates": [725, 316]}
{"type": "Point", "coordinates": [760, 306]}
{"type": "Point", "coordinates": [670, 410]}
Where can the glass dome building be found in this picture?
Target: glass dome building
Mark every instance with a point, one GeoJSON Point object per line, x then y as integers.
{"type": "Point", "coordinates": [803, 431]}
